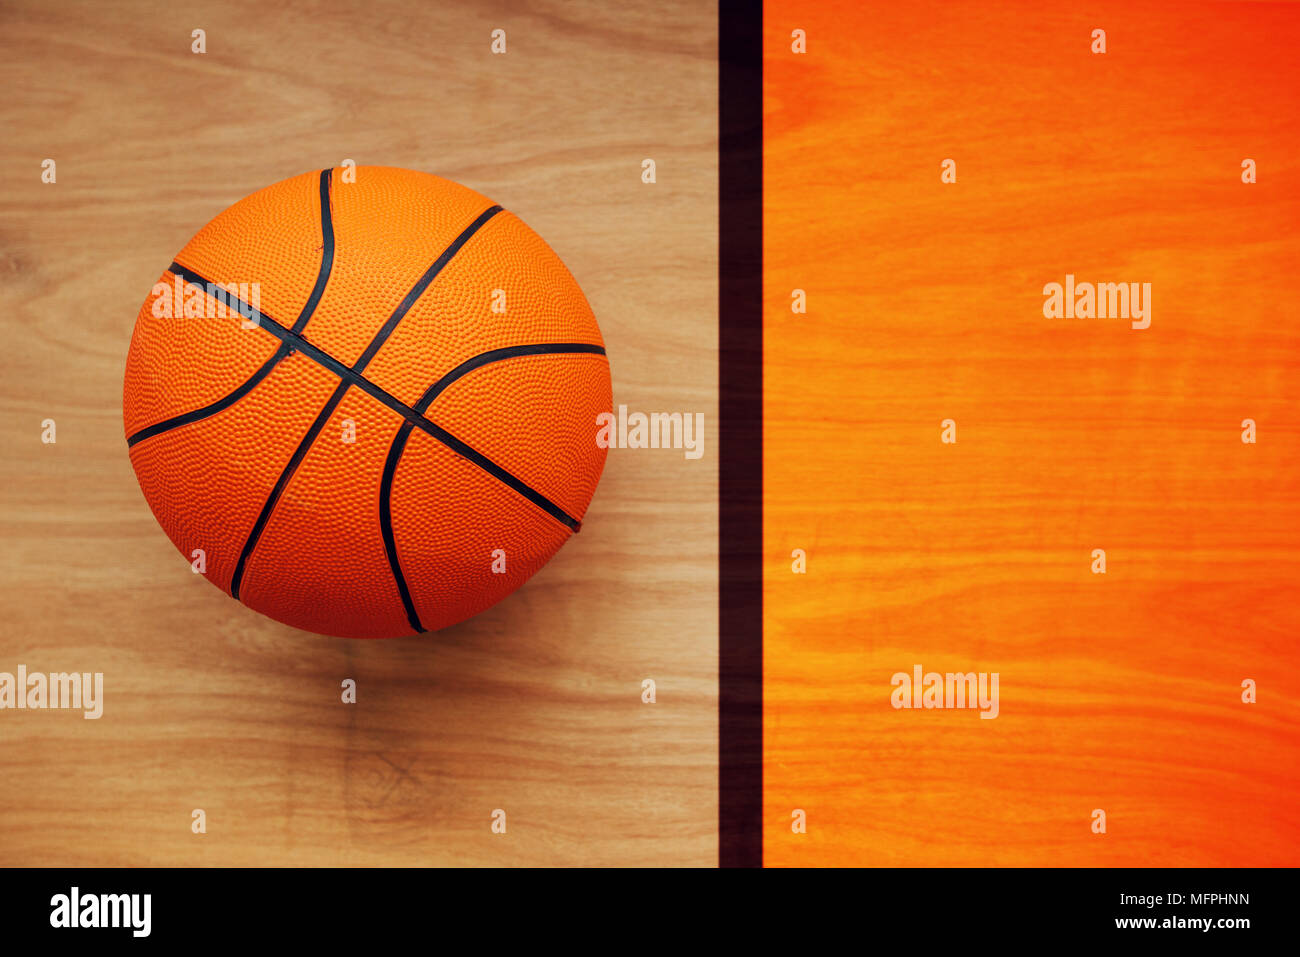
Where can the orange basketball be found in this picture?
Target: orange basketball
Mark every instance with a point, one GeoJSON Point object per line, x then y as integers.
{"type": "Point", "coordinates": [366, 406]}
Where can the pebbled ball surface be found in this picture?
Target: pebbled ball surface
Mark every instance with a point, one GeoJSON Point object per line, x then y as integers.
{"type": "Point", "coordinates": [284, 495]}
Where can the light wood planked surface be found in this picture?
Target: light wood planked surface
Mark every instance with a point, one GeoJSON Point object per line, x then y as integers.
{"type": "Point", "coordinates": [534, 706]}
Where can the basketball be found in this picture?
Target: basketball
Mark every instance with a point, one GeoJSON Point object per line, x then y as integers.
{"type": "Point", "coordinates": [363, 402]}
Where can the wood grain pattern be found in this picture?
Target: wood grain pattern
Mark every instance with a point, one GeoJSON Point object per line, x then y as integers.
{"type": "Point", "coordinates": [534, 706]}
{"type": "Point", "coordinates": [1119, 692]}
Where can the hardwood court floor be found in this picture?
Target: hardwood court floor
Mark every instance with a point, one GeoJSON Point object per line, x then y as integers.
{"type": "Point", "coordinates": [1119, 692]}
{"type": "Point", "coordinates": [533, 707]}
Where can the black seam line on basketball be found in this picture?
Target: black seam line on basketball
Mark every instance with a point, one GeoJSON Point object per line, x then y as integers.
{"type": "Point", "coordinates": [323, 358]}
{"type": "Point", "coordinates": [298, 455]}
{"type": "Point", "coordinates": [386, 523]}
{"type": "Point", "coordinates": [420, 286]}
{"type": "Point", "coordinates": [322, 277]}
{"type": "Point", "coordinates": [221, 404]}
{"type": "Point", "coordinates": [327, 252]}
{"type": "Point", "coordinates": [497, 355]}
{"type": "Point", "coordinates": [467, 451]}
{"type": "Point", "coordinates": [399, 445]}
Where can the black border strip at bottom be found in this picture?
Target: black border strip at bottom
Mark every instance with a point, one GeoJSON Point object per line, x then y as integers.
{"type": "Point", "coordinates": [740, 407]}
{"type": "Point", "coordinates": [931, 908]}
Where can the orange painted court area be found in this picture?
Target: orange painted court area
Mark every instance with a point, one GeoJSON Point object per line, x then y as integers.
{"type": "Point", "coordinates": [1119, 692]}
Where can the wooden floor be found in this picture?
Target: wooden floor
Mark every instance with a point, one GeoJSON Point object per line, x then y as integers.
{"type": "Point", "coordinates": [533, 707]}
{"type": "Point", "coordinates": [1119, 692]}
